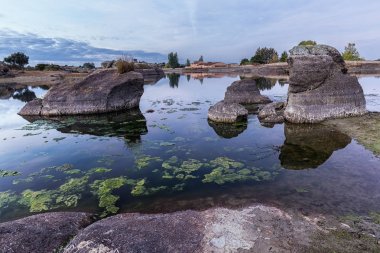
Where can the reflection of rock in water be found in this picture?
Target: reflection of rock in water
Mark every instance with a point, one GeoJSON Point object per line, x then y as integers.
{"type": "Point", "coordinates": [230, 130]}
{"type": "Point", "coordinates": [18, 92]}
{"type": "Point", "coordinates": [309, 146]}
{"type": "Point", "coordinates": [129, 124]}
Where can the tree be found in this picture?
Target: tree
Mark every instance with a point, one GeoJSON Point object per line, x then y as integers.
{"type": "Point", "coordinates": [284, 56]}
{"type": "Point", "coordinates": [89, 65]}
{"type": "Point", "coordinates": [265, 55]}
{"type": "Point", "coordinates": [188, 63]}
{"type": "Point", "coordinates": [307, 43]}
{"type": "Point", "coordinates": [18, 59]}
{"type": "Point", "coordinates": [244, 61]}
{"type": "Point", "coordinates": [201, 58]}
{"type": "Point", "coordinates": [351, 53]}
{"type": "Point", "coordinates": [173, 60]}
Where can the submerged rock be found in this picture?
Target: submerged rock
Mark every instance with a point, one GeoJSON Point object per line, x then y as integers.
{"type": "Point", "coordinates": [48, 232]}
{"type": "Point", "coordinates": [272, 113]}
{"type": "Point", "coordinates": [319, 86]}
{"type": "Point", "coordinates": [103, 91]}
{"type": "Point", "coordinates": [245, 92]}
{"type": "Point", "coordinates": [310, 145]}
{"type": "Point", "coordinates": [227, 112]}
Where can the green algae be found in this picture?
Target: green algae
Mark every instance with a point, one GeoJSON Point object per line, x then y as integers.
{"type": "Point", "coordinates": [6, 199]}
{"type": "Point", "coordinates": [72, 172]}
{"type": "Point", "coordinates": [226, 170]}
{"type": "Point", "coordinates": [145, 161]}
{"type": "Point", "coordinates": [70, 192]}
{"type": "Point", "coordinates": [103, 189]}
{"type": "Point", "coordinates": [23, 180]}
{"type": "Point", "coordinates": [166, 144]}
{"type": "Point", "coordinates": [140, 189]}
{"type": "Point", "coordinates": [182, 172]}
{"type": "Point", "coordinates": [9, 173]}
{"type": "Point", "coordinates": [98, 170]}
{"type": "Point", "coordinates": [226, 163]}
{"type": "Point", "coordinates": [37, 201]}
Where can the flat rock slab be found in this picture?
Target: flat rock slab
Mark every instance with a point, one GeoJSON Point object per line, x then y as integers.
{"type": "Point", "coordinates": [41, 233]}
{"type": "Point", "coordinates": [257, 228]}
{"type": "Point", "coordinates": [227, 112]}
{"type": "Point", "coordinates": [175, 232]}
{"type": "Point", "coordinates": [102, 91]}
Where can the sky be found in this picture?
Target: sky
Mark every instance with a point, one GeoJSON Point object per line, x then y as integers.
{"type": "Point", "coordinates": [221, 30]}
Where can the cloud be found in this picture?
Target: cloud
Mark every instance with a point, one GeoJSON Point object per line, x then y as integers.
{"type": "Point", "coordinates": [64, 51]}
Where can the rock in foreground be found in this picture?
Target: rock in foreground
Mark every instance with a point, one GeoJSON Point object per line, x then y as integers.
{"type": "Point", "coordinates": [41, 233]}
{"type": "Point", "coordinates": [101, 92]}
{"type": "Point", "coordinates": [227, 112]}
{"type": "Point", "coordinates": [245, 92]}
{"type": "Point", "coordinates": [320, 88]}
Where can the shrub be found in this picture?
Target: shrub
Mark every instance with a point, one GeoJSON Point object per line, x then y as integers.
{"type": "Point", "coordinates": [265, 55]}
{"type": "Point", "coordinates": [173, 60]}
{"type": "Point", "coordinates": [351, 53]}
{"type": "Point", "coordinates": [307, 43]}
{"type": "Point", "coordinates": [124, 66]}
{"type": "Point", "coordinates": [245, 61]}
{"type": "Point", "coordinates": [89, 65]}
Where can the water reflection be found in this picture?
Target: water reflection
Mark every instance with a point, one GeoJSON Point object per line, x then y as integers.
{"type": "Point", "coordinates": [22, 93]}
{"type": "Point", "coordinates": [309, 146]}
{"type": "Point", "coordinates": [173, 79]}
{"type": "Point", "coordinates": [228, 131]}
{"type": "Point", "coordinates": [130, 124]}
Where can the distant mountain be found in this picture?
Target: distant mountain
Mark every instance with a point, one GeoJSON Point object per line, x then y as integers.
{"type": "Point", "coordinates": [65, 51]}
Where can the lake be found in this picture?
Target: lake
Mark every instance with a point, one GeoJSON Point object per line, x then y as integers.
{"type": "Point", "coordinates": [167, 157]}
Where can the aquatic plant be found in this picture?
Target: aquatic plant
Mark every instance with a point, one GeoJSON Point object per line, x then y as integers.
{"type": "Point", "coordinates": [226, 163]}
{"type": "Point", "coordinates": [103, 189]}
{"type": "Point", "coordinates": [141, 190]}
{"type": "Point", "coordinates": [6, 199]}
{"type": "Point", "coordinates": [9, 173]}
{"type": "Point", "coordinates": [70, 192]}
{"type": "Point", "coordinates": [37, 201]}
{"type": "Point", "coordinates": [72, 171]}
{"type": "Point", "coordinates": [182, 172]}
{"type": "Point", "coordinates": [144, 161]}
{"type": "Point", "coordinates": [98, 170]}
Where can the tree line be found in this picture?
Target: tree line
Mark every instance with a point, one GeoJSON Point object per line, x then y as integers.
{"type": "Point", "coordinates": [269, 55]}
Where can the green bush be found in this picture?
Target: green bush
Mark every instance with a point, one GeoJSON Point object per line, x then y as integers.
{"type": "Point", "coordinates": [88, 65]}
{"type": "Point", "coordinates": [245, 61]}
{"type": "Point", "coordinates": [307, 43]}
{"type": "Point", "coordinates": [351, 53]}
{"type": "Point", "coordinates": [265, 55]}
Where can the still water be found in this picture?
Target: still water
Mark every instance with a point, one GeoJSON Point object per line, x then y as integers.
{"type": "Point", "coordinates": [174, 159]}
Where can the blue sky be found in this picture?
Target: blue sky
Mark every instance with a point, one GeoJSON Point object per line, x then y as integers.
{"type": "Point", "coordinates": [90, 30]}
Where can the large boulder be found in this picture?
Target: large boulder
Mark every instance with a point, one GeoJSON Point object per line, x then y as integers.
{"type": "Point", "coordinates": [319, 86]}
{"type": "Point", "coordinates": [227, 112]}
{"type": "Point", "coordinates": [48, 232]}
{"type": "Point", "coordinates": [101, 92]}
{"type": "Point", "coordinates": [245, 92]}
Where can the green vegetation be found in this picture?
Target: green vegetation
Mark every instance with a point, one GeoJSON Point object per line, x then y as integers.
{"type": "Point", "coordinates": [173, 79]}
{"type": "Point", "coordinates": [173, 60]}
{"type": "Point", "coordinates": [98, 170]}
{"type": "Point", "coordinates": [141, 190]}
{"type": "Point", "coordinates": [17, 60]}
{"type": "Point", "coordinates": [182, 172]}
{"type": "Point", "coordinates": [6, 199]}
{"type": "Point", "coordinates": [201, 58]}
{"type": "Point", "coordinates": [47, 67]}
{"type": "Point", "coordinates": [9, 173]}
{"type": "Point", "coordinates": [351, 53]}
{"type": "Point", "coordinates": [284, 56]}
{"type": "Point", "coordinates": [37, 201]}
{"type": "Point", "coordinates": [265, 55]}
{"type": "Point", "coordinates": [69, 192]}
{"type": "Point", "coordinates": [245, 61]}
{"type": "Point", "coordinates": [188, 63]}
{"type": "Point", "coordinates": [144, 161]}
{"type": "Point", "coordinates": [307, 43]}
{"type": "Point", "coordinates": [88, 65]}
{"type": "Point", "coordinates": [103, 189]}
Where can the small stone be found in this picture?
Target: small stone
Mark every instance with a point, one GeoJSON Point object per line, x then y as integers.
{"type": "Point", "coordinates": [227, 112]}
